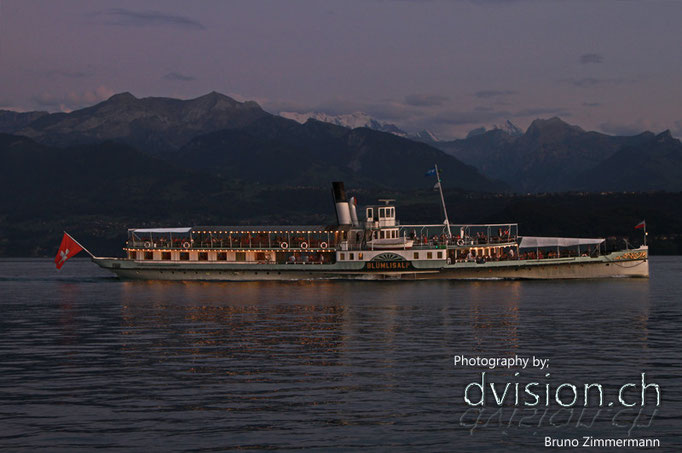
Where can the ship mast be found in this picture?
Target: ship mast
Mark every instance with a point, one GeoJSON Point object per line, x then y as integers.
{"type": "Point", "coordinates": [442, 200]}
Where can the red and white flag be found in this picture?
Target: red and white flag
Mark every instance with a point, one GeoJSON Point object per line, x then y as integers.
{"type": "Point", "coordinates": [641, 224]}
{"type": "Point", "coordinates": [67, 249]}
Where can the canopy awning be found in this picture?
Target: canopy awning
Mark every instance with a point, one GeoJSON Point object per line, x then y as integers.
{"type": "Point", "coordinates": [536, 242]}
{"type": "Point", "coordinates": [161, 230]}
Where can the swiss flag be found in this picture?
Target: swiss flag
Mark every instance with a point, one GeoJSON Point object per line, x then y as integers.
{"type": "Point", "coordinates": [67, 249]}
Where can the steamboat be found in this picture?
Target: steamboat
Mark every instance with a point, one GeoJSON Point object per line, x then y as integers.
{"type": "Point", "coordinates": [378, 247]}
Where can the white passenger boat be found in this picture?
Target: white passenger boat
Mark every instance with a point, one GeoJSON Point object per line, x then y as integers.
{"type": "Point", "coordinates": [377, 248]}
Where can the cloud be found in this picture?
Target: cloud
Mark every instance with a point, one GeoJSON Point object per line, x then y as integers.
{"type": "Point", "coordinates": [459, 118]}
{"type": "Point", "coordinates": [485, 94]}
{"type": "Point", "coordinates": [542, 111]}
{"type": "Point", "coordinates": [425, 100]}
{"type": "Point", "coordinates": [484, 114]}
{"type": "Point", "coordinates": [616, 128]}
{"type": "Point", "coordinates": [677, 130]}
{"type": "Point", "coordinates": [6, 104]}
{"type": "Point", "coordinates": [69, 74]}
{"type": "Point", "coordinates": [176, 76]}
{"type": "Point", "coordinates": [591, 58]}
{"type": "Point", "coordinates": [72, 100]}
{"type": "Point", "coordinates": [589, 82]}
{"type": "Point", "coordinates": [128, 18]}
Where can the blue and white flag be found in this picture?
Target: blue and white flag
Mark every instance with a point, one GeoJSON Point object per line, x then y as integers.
{"type": "Point", "coordinates": [431, 172]}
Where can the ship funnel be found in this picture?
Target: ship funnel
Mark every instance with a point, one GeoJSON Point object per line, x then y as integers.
{"type": "Point", "coordinates": [342, 208]}
{"type": "Point", "coordinates": [353, 202]}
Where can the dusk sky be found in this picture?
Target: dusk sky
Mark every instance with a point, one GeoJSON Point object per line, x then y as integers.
{"type": "Point", "coordinates": [448, 66]}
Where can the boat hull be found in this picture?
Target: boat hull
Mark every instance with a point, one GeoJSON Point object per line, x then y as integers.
{"type": "Point", "coordinates": [631, 264]}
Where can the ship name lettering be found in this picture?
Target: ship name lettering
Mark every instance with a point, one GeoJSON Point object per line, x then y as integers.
{"type": "Point", "coordinates": [387, 265]}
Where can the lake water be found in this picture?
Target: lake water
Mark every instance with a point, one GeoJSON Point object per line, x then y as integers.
{"type": "Point", "coordinates": [89, 362]}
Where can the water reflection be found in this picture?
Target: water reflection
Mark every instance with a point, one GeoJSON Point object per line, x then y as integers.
{"type": "Point", "coordinates": [323, 365]}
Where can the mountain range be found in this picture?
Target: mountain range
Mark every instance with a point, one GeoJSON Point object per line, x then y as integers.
{"type": "Point", "coordinates": [554, 156]}
{"type": "Point", "coordinates": [153, 125]}
{"type": "Point", "coordinates": [239, 141]}
{"type": "Point", "coordinates": [233, 140]}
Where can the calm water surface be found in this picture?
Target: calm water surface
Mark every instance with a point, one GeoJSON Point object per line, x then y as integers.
{"type": "Point", "coordinates": [89, 362]}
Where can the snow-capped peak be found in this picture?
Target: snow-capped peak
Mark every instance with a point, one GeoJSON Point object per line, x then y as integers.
{"type": "Point", "coordinates": [349, 120]}
{"type": "Point", "coordinates": [426, 135]}
{"type": "Point", "coordinates": [510, 128]}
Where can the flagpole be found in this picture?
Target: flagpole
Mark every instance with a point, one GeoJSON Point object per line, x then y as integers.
{"type": "Point", "coordinates": [442, 199]}
{"type": "Point", "coordinates": [80, 245]}
{"type": "Point", "coordinates": [645, 233]}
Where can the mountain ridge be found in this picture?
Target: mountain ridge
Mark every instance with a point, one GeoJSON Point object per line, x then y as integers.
{"type": "Point", "coordinates": [153, 124]}
{"type": "Point", "coordinates": [551, 156]}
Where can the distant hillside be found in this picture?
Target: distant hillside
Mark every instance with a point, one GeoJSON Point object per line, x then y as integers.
{"type": "Point", "coordinates": [13, 121]}
{"type": "Point", "coordinates": [553, 156]}
{"type": "Point", "coordinates": [152, 125]}
{"type": "Point", "coordinates": [102, 189]}
{"type": "Point", "coordinates": [97, 179]}
{"type": "Point", "coordinates": [274, 150]}
{"type": "Point", "coordinates": [97, 192]}
{"type": "Point", "coordinates": [650, 163]}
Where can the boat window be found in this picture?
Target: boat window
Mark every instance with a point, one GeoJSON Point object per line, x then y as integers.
{"type": "Point", "coordinates": [166, 256]}
{"type": "Point", "coordinates": [240, 256]}
{"type": "Point", "coordinates": [351, 256]}
{"type": "Point", "coordinates": [149, 255]}
{"type": "Point", "coordinates": [381, 213]}
{"type": "Point", "coordinates": [415, 255]}
{"type": "Point", "coordinates": [440, 255]}
{"type": "Point", "coordinates": [375, 235]}
{"type": "Point", "coordinates": [382, 235]}
{"type": "Point", "coordinates": [342, 256]}
{"type": "Point", "coordinates": [222, 256]}
{"type": "Point", "coordinates": [184, 256]}
{"type": "Point", "coordinates": [360, 255]}
{"type": "Point", "coordinates": [203, 256]}
{"type": "Point", "coordinates": [429, 255]}
{"type": "Point", "coordinates": [370, 213]}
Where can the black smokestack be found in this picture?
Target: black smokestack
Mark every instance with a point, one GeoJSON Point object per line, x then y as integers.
{"type": "Point", "coordinates": [341, 203]}
{"type": "Point", "coordinates": [339, 191]}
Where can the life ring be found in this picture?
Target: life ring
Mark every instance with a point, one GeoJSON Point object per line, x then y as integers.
{"type": "Point", "coordinates": [147, 244]}
{"type": "Point", "coordinates": [185, 245]}
{"type": "Point", "coordinates": [304, 245]}
{"type": "Point", "coordinates": [323, 245]}
{"type": "Point", "coordinates": [284, 245]}
{"type": "Point", "coordinates": [460, 242]}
